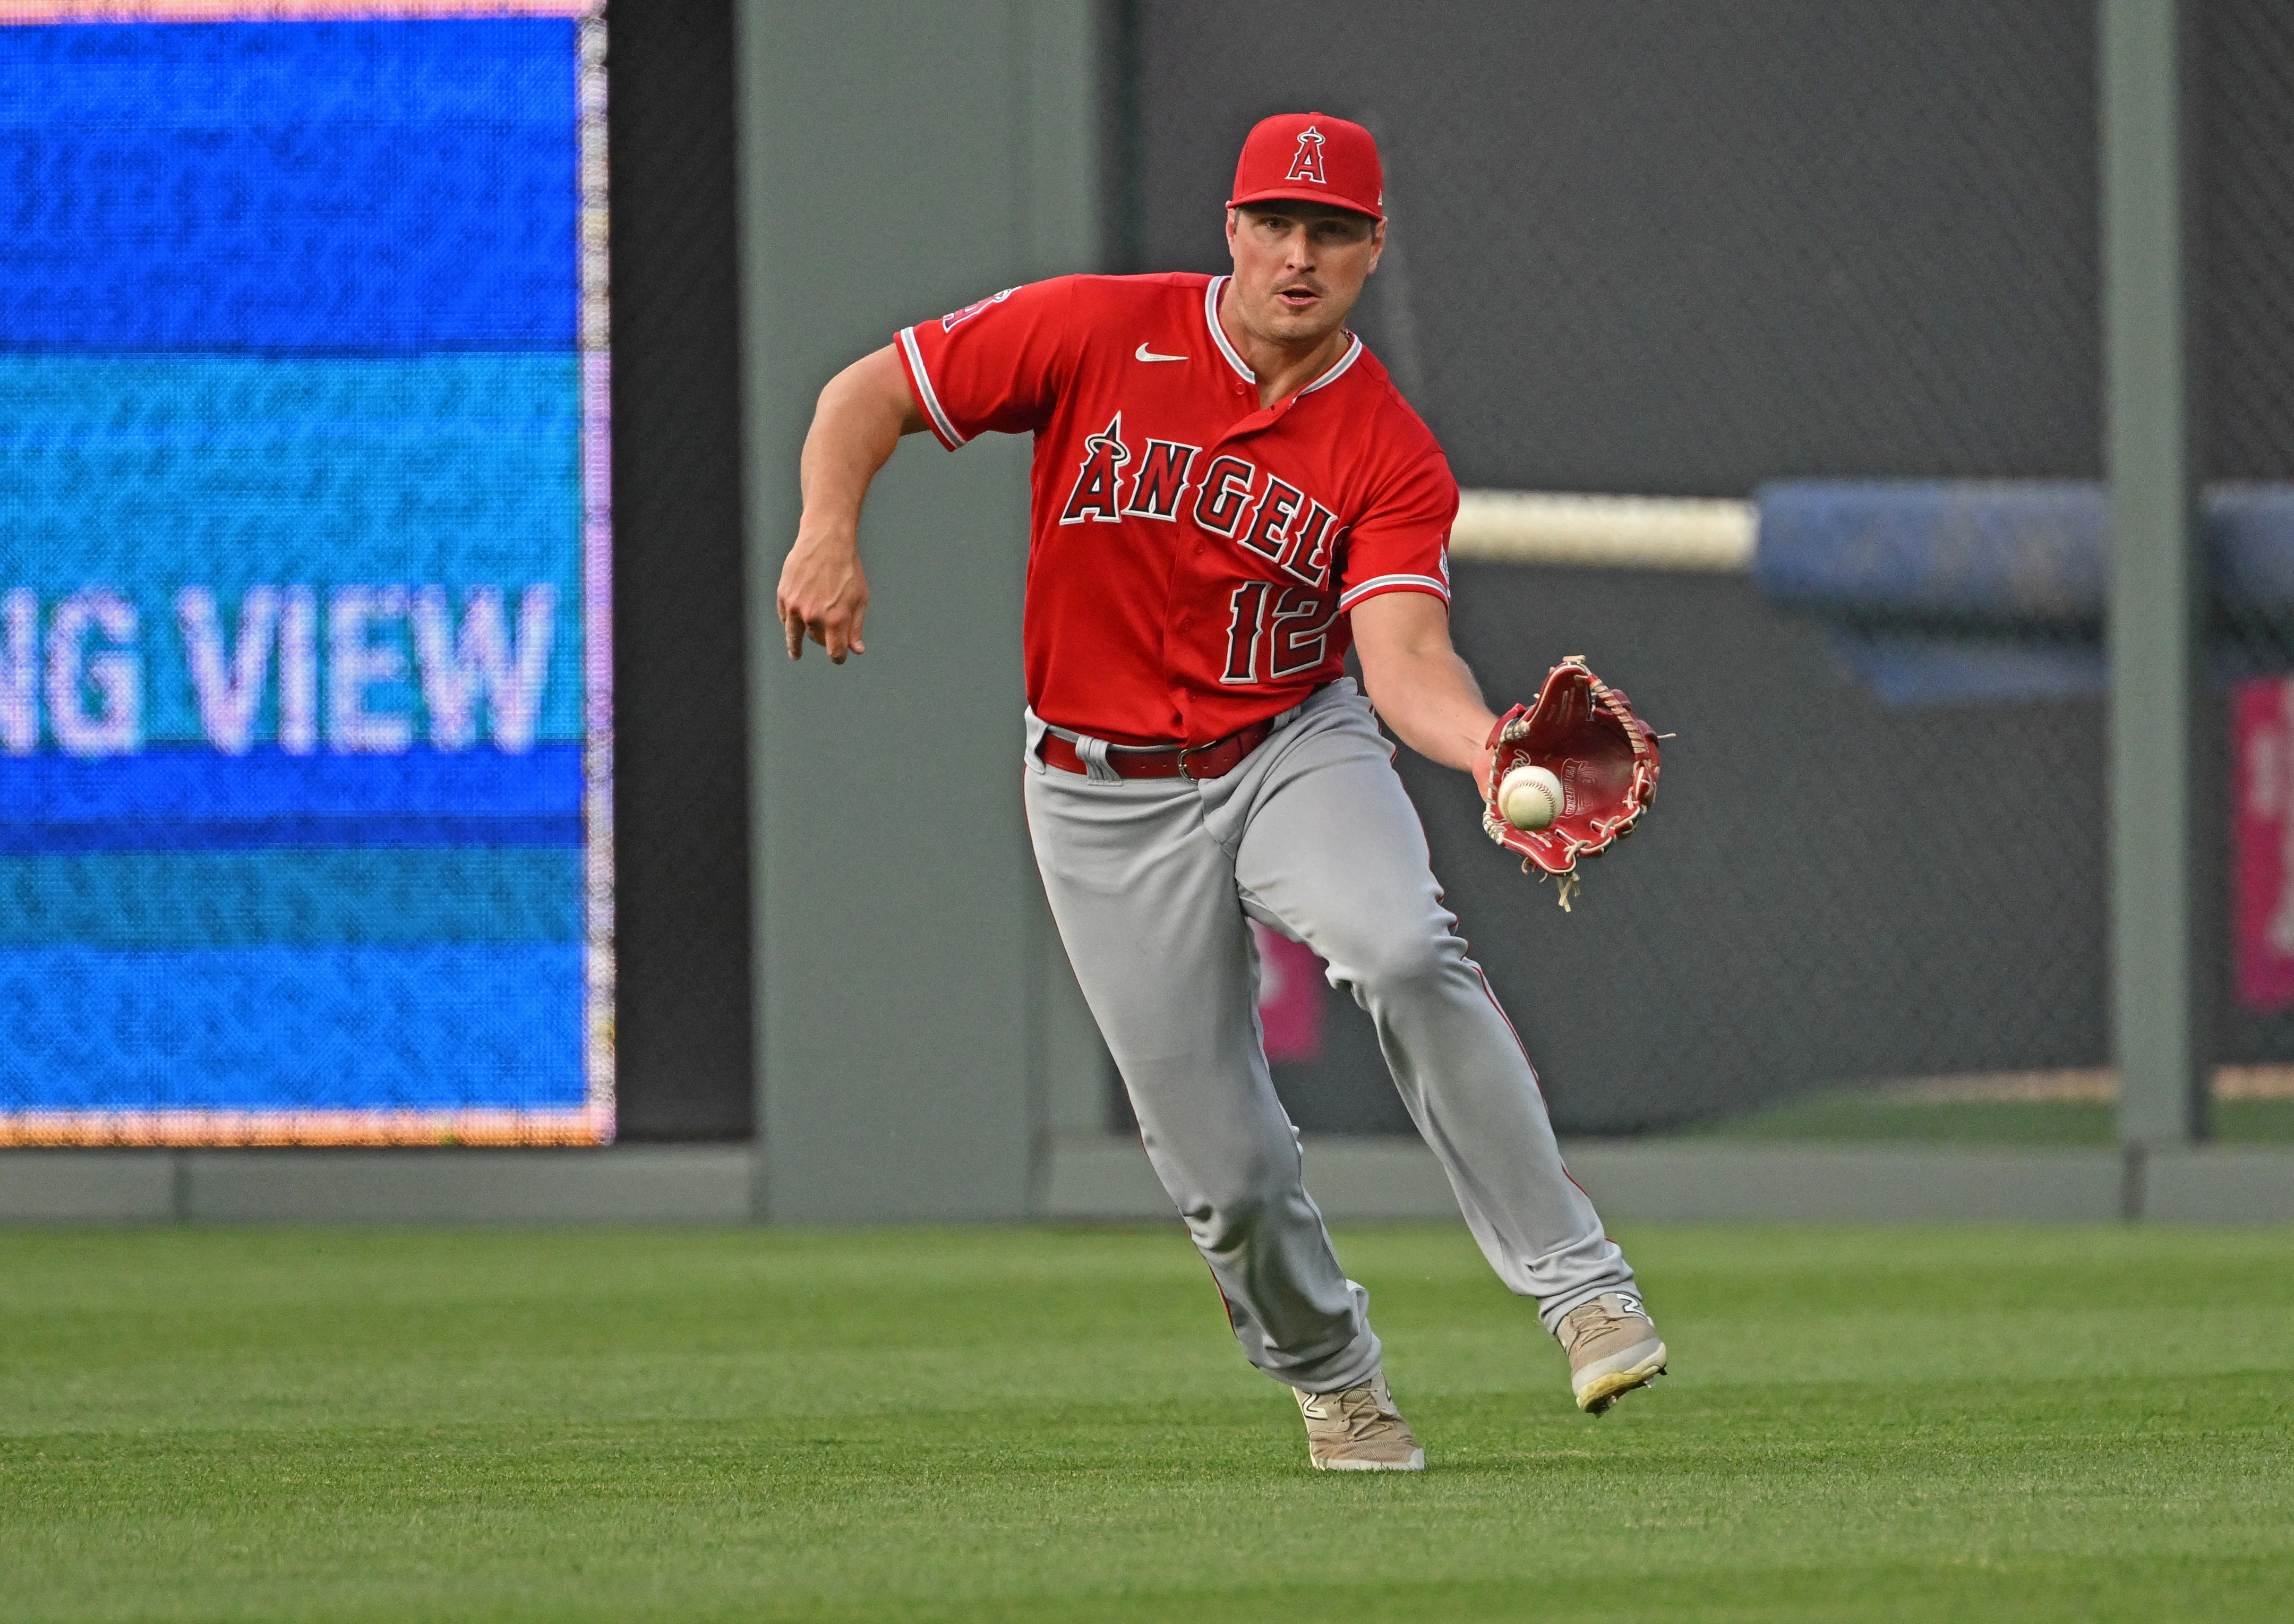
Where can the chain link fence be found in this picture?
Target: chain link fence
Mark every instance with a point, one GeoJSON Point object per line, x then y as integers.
{"type": "Point", "coordinates": [1699, 250]}
{"type": "Point", "coordinates": [2247, 91]}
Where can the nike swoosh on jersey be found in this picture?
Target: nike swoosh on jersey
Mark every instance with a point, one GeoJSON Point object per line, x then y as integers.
{"type": "Point", "coordinates": [1144, 353]}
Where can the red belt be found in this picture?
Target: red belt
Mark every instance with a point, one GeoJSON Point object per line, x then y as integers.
{"type": "Point", "coordinates": [1214, 760]}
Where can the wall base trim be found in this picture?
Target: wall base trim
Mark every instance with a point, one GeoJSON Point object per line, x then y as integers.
{"type": "Point", "coordinates": [699, 1184]}
{"type": "Point", "coordinates": [1104, 1177]}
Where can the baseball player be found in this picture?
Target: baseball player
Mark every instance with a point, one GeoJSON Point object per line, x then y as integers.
{"type": "Point", "coordinates": [1227, 494]}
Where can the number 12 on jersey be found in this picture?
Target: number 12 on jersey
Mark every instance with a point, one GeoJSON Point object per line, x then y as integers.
{"type": "Point", "coordinates": [1274, 632]}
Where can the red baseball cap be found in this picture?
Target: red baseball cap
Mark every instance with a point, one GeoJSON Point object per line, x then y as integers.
{"type": "Point", "coordinates": [1311, 156]}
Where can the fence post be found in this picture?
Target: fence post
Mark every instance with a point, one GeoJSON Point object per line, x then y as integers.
{"type": "Point", "coordinates": [2166, 922]}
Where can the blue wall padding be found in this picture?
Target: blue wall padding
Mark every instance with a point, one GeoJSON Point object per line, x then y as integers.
{"type": "Point", "coordinates": [289, 188]}
{"type": "Point", "coordinates": [2006, 554]}
{"type": "Point", "coordinates": [2253, 528]}
{"type": "Point", "coordinates": [1942, 550]}
{"type": "Point", "coordinates": [1908, 668]}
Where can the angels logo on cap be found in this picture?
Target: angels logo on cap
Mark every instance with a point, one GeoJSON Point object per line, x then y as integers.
{"type": "Point", "coordinates": [1310, 155]}
{"type": "Point", "coordinates": [1307, 165]}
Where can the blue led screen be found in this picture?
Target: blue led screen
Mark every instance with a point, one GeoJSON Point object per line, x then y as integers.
{"type": "Point", "coordinates": [305, 704]}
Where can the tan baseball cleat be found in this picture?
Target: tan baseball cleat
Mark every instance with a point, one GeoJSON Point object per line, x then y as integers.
{"type": "Point", "coordinates": [1358, 1430]}
{"type": "Point", "coordinates": [1612, 1347]}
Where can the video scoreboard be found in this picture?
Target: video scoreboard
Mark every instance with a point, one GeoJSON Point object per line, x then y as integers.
{"type": "Point", "coordinates": [305, 680]}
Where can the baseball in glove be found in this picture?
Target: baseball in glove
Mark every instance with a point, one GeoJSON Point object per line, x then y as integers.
{"type": "Point", "coordinates": [1584, 733]}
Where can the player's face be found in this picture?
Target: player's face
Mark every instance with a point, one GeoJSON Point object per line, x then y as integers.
{"type": "Point", "coordinates": [1299, 267]}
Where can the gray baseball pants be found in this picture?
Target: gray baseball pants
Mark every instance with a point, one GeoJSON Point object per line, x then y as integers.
{"type": "Point", "coordinates": [1153, 882]}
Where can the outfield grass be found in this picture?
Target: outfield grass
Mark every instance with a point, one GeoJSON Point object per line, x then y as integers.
{"type": "Point", "coordinates": [1030, 1424]}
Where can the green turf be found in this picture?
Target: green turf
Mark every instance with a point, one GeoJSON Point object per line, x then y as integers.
{"type": "Point", "coordinates": [1871, 1118]}
{"type": "Point", "coordinates": [1028, 1424]}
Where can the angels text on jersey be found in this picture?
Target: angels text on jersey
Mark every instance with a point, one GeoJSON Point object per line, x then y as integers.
{"type": "Point", "coordinates": [1277, 628]}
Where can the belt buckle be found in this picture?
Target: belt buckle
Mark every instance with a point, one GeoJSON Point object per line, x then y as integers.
{"type": "Point", "coordinates": [1185, 752]}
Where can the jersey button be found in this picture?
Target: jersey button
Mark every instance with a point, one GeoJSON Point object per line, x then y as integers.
{"type": "Point", "coordinates": [1184, 622]}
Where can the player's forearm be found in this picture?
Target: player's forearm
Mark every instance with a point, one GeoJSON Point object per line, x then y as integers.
{"type": "Point", "coordinates": [1422, 690]}
{"type": "Point", "coordinates": [856, 427]}
{"type": "Point", "coordinates": [1431, 701]}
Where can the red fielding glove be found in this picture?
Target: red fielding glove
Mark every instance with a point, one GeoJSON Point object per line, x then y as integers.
{"type": "Point", "coordinates": [1583, 733]}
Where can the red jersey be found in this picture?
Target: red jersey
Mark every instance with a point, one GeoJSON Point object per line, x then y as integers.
{"type": "Point", "coordinates": [1192, 553]}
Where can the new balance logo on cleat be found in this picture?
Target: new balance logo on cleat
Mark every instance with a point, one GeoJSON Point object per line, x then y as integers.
{"type": "Point", "coordinates": [1358, 1430]}
{"type": "Point", "coordinates": [1612, 1347]}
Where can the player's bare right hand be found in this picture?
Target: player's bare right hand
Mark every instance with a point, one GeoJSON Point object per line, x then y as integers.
{"type": "Point", "coordinates": [824, 596]}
